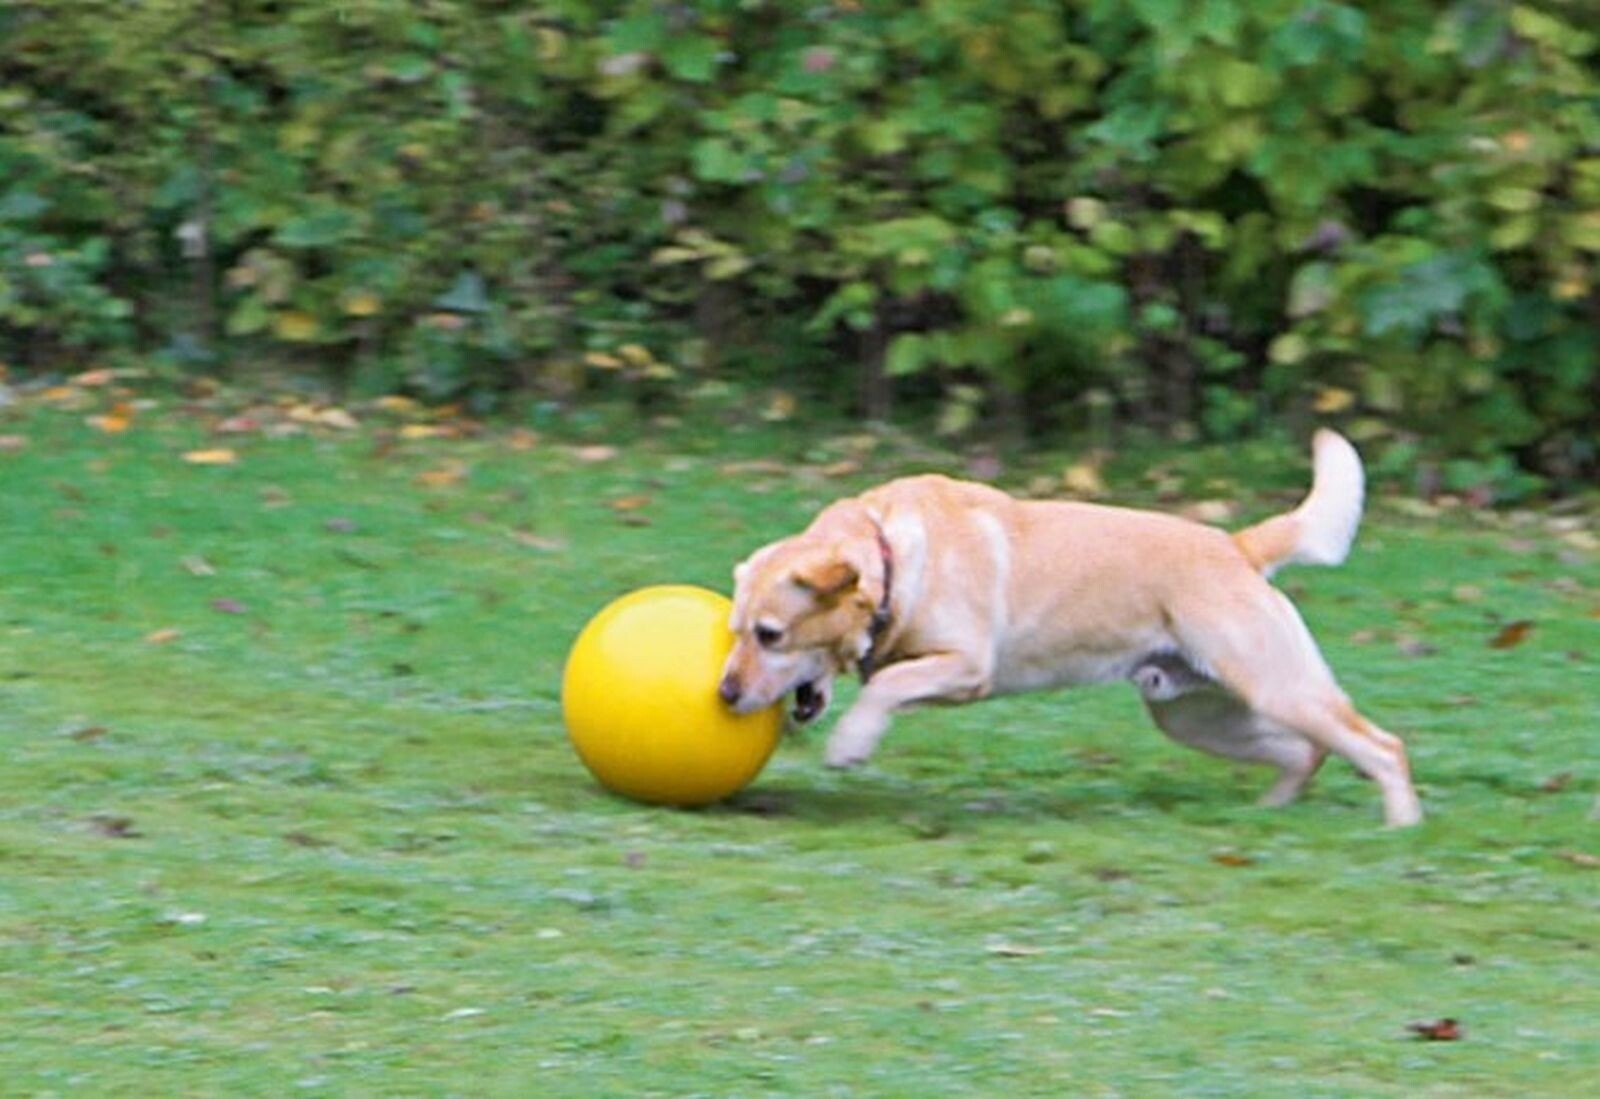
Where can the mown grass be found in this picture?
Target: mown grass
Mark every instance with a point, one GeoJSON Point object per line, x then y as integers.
{"type": "Point", "coordinates": [329, 838]}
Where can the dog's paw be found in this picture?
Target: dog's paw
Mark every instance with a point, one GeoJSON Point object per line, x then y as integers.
{"type": "Point", "coordinates": [843, 752]}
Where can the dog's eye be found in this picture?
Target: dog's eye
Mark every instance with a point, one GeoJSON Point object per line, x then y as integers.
{"type": "Point", "coordinates": [768, 636]}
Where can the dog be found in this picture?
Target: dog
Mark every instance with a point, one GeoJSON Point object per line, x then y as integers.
{"type": "Point", "coordinates": [939, 590]}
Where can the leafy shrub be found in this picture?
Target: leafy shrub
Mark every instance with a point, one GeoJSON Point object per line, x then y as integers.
{"type": "Point", "coordinates": [1200, 214]}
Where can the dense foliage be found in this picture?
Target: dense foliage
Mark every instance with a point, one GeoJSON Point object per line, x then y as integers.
{"type": "Point", "coordinates": [1186, 214]}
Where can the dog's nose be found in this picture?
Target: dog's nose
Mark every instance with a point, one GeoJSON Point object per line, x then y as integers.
{"type": "Point", "coordinates": [728, 689]}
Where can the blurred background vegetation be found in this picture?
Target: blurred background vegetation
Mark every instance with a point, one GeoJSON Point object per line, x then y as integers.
{"type": "Point", "coordinates": [1006, 217]}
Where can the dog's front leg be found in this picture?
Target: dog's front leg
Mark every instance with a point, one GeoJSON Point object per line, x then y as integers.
{"type": "Point", "coordinates": [945, 677]}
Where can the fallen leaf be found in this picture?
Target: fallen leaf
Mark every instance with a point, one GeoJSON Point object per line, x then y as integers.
{"type": "Point", "coordinates": [594, 453]}
{"type": "Point", "coordinates": [425, 431]}
{"type": "Point", "coordinates": [218, 456]}
{"type": "Point", "coordinates": [229, 606]}
{"type": "Point", "coordinates": [114, 421]}
{"type": "Point", "coordinates": [1013, 950]}
{"type": "Point", "coordinates": [1232, 858]}
{"type": "Point", "coordinates": [337, 418]}
{"type": "Point", "coordinates": [1556, 783]}
{"type": "Point", "coordinates": [781, 407]}
{"type": "Point", "coordinates": [243, 424]}
{"type": "Point", "coordinates": [1437, 1030]}
{"type": "Point", "coordinates": [340, 525]}
{"type": "Point", "coordinates": [304, 839]}
{"type": "Point", "coordinates": [634, 502]}
{"type": "Point", "coordinates": [1412, 646]}
{"type": "Point", "coordinates": [274, 497]}
{"type": "Point", "coordinates": [842, 468]}
{"type": "Point", "coordinates": [10, 444]}
{"type": "Point", "coordinates": [1581, 858]}
{"type": "Point", "coordinates": [101, 376]}
{"type": "Point", "coordinates": [163, 636]}
{"type": "Point", "coordinates": [1512, 634]}
{"type": "Point", "coordinates": [195, 565]}
{"type": "Point", "coordinates": [88, 733]}
{"type": "Point", "coordinates": [537, 541]}
{"type": "Point", "coordinates": [114, 827]}
{"type": "Point", "coordinates": [523, 439]}
{"type": "Point", "coordinates": [1084, 479]}
{"type": "Point", "coordinates": [1210, 511]}
{"type": "Point", "coordinates": [444, 477]}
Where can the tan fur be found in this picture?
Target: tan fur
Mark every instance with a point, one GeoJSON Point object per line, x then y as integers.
{"type": "Point", "coordinates": [993, 595]}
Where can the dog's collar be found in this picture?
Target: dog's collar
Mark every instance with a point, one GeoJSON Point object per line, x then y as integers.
{"type": "Point", "coordinates": [880, 617]}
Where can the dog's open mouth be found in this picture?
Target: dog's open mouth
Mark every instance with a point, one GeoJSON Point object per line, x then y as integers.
{"type": "Point", "coordinates": [808, 702]}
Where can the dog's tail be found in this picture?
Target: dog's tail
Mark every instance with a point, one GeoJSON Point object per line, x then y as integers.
{"type": "Point", "coordinates": [1320, 530]}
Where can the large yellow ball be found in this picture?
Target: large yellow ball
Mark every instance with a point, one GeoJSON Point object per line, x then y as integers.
{"type": "Point", "coordinates": [639, 697]}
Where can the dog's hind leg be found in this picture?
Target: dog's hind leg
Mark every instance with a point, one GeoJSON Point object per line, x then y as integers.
{"type": "Point", "coordinates": [1215, 721]}
{"type": "Point", "coordinates": [1259, 649]}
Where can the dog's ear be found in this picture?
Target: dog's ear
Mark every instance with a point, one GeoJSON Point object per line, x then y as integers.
{"type": "Point", "coordinates": [827, 575]}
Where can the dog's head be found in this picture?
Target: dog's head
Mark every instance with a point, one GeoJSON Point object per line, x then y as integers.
{"type": "Point", "coordinates": [802, 614]}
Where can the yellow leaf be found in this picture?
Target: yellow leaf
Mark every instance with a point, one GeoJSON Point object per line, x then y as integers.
{"type": "Point", "coordinates": [445, 477]}
{"type": "Point", "coordinates": [115, 421]}
{"type": "Point", "coordinates": [337, 418]}
{"type": "Point", "coordinates": [101, 376]}
{"type": "Point", "coordinates": [398, 406]}
{"type": "Point", "coordinates": [162, 636]}
{"type": "Point", "coordinates": [602, 361]}
{"type": "Point", "coordinates": [295, 326]}
{"type": "Point", "coordinates": [781, 407]}
{"type": "Point", "coordinates": [552, 43]}
{"type": "Point", "coordinates": [1333, 399]}
{"type": "Point", "coordinates": [363, 303]}
{"type": "Point", "coordinates": [218, 456]}
{"type": "Point", "coordinates": [423, 431]}
{"type": "Point", "coordinates": [1083, 479]}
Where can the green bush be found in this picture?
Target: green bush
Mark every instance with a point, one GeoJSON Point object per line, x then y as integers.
{"type": "Point", "coordinates": [1198, 213]}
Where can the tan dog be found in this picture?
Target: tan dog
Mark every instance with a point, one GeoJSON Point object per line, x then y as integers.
{"type": "Point", "coordinates": [939, 590]}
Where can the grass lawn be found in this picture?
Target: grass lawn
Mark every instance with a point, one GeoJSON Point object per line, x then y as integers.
{"type": "Point", "coordinates": [286, 805]}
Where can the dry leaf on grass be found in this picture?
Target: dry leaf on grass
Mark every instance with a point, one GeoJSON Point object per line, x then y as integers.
{"type": "Point", "coordinates": [447, 476]}
{"type": "Point", "coordinates": [1013, 950]}
{"type": "Point", "coordinates": [217, 456]}
{"type": "Point", "coordinates": [163, 636]}
{"type": "Point", "coordinates": [1437, 1030]}
{"type": "Point", "coordinates": [1512, 634]}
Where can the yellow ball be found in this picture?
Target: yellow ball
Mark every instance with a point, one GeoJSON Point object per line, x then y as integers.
{"type": "Point", "coordinates": [639, 696]}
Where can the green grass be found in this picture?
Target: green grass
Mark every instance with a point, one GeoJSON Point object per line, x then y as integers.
{"type": "Point", "coordinates": [331, 839]}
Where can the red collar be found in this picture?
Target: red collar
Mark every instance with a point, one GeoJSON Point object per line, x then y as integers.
{"type": "Point", "coordinates": [880, 617]}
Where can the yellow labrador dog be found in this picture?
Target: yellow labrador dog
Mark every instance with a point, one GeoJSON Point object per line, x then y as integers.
{"type": "Point", "coordinates": [938, 590]}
